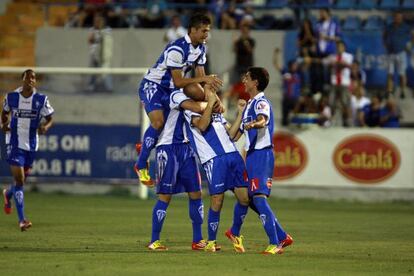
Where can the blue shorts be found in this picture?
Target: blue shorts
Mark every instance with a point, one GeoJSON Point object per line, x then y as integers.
{"type": "Point", "coordinates": [153, 96]}
{"type": "Point", "coordinates": [19, 157]}
{"type": "Point", "coordinates": [259, 165]}
{"type": "Point", "coordinates": [225, 172]}
{"type": "Point", "coordinates": [177, 170]}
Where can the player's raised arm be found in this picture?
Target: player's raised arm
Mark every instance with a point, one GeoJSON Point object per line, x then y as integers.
{"type": "Point", "coordinates": [234, 129]}
{"type": "Point", "coordinates": [204, 121]}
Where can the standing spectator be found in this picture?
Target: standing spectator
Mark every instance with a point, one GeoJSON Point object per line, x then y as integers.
{"type": "Point", "coordinates": [100, 52]}
{"type": "Point", "coordinates": [327, 34]}
{"type": "Point", "coordinates": [341, 79]}
{"type": "Point", "coordinates": [291, 86]}
{"type": "Point", "coordinates": [312, 71]}
{"type": "Point", "coordinates": [243, 47]}
{"type": "Point", "coordinates": [390, 114]}
{"type": "Point", "coordinates": [358, 102]}
{"type": "Point", "coordinates": [371, 113]}
{"type": "Point", "coordinates": [176, 30]}
{"type": "Point", "coordinates": [396, 36]}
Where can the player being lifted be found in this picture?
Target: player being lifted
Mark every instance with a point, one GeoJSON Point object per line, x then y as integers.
{"type": "Point", "coordinates": [21, 120]}
{"type": "Point", "coordinates": [169, 74]}
{"type": "Point", "coordinates": [209, 134]}
{"type": "Point", "coordinates": [257, 126]}
{"type": "Point", "coordinates": [177, 171]}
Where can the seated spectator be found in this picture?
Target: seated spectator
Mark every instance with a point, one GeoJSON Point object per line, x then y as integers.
{"type": "Point", "coordinates": [325, 112]}
{"type": "Point", "coordinates": [154, 14]}
{"type": "Point", "coordinates": [358, 102]}
{"type": "Point", "coordinates": [370, 115]}
{"type": "Point", "coordinates": [357, 75]}
{"type": "Point", "coordinates": [389, 114]}
{"type": "Point", "coordinates": [291, 86]}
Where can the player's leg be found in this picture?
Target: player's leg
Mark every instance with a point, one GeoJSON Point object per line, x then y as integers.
{"type": "Point", "coordinates": [18, 194]}
{"type": "Point", "coordinates": [153, 98]}
{"type": "Point", "coordinates": [402, 67]}
{"type": "Point", "coordinates": [189, 177]}
{"type": "Point", "coordinates": [159, 213]}
{"type": "Point", "coordinates": [391, 71]}
{"type": "Point", "coordinates": [8, 193]}
{"type": "Point", "coordinates": [216, 203]}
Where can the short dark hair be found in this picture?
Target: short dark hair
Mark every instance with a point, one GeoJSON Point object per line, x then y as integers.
{"type": "Point", "coordinates": [261, 75]}
{"type": "Point", "coordinates": [198, 19]}
{"type": "Point", "coordinates": [25, 72]}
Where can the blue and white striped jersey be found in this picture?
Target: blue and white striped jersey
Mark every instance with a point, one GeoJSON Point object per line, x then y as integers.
{"type": "Point", "coordinates": [26, 114]}
{"type": "Point", "coordinates": [179, 54]}
{"type": "Point", "coordinates": [173, 131]}
{"type": "Point", "coordinates": [262, 137]}
{"type": "Point", "coordinates": [212, 142]}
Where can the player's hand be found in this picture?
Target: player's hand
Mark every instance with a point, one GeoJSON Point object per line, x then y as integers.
{"type": "Point", "coordinates": [42, 129]}
{"type": "Point", "coordinates": [218, 107]}
{"type": "Point", "coordinates": [214, 81]}
{"type": "Point", "coordinates": [211, 98]}
{"type": "Point", "coordinates": [250, 125]}
{"type": "Point", "coordinates": [5, 127]}
{"type": "Point", "coordinates": [241, 104]}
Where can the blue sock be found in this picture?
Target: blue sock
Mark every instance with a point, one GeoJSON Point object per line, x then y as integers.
{"type": "Point", "coordinates": [148, 143]}
{"type": "Point", "coordinates": [196, 210]}
{"type": "Point", "coordinates": [158, 215]}
{"type": "Point", "coordinates": [213, 224]}
{"type": "Point", "coordinates": [281, 234]}
{"type": "Point", "coordinates": [10, 192]}
{"type": "Point", "coordinates": [267, 217]}
{"type": "Point", "coordinates": [19, 200]}
{"type": "Point", "coordinates": [239, 214]}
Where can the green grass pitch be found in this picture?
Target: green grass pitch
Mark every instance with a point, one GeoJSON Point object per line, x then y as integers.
{"type": "Point", "coordinates": [106, 235]}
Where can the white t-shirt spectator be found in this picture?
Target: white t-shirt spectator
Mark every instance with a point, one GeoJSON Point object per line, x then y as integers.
{"type": "Point", "coordinates": [358, 104]}
{"type": "Point", "coordinates": [341, 76]}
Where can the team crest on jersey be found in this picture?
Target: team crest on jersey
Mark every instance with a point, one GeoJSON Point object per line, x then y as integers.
{"type": "Point", "coordinates": [263, 218]}
{"type": "Point", "coordinates": [214, 226]}
{"type": "Point", "coordinates": [262, 106]}
{"type": "Point", "coordinates": [150, 89]}
{"type": "Point", "coordinates": [254, 184]}
{"type": "Point", "coordinates": [161, 215]}
{"type": "Point", "coordinates": [162, 159]}
{"type": "Point", "coordinates": [201, 211]}
{"type": "Point", "coordinates": [216, 117]}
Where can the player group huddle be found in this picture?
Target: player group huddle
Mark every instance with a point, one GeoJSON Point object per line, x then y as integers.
{"type": "Point", "coordinates": [186, 122]}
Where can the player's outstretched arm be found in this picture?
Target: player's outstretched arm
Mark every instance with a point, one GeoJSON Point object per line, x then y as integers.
{"type": "Point", "coordinates": [180, 81]}
{"type": "Point", "coordinates": [234, 130]}
{"type": "Point", "coordinates": [259, 123]}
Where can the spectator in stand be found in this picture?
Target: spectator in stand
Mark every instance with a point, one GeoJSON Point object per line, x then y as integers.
{"type": "Point", "coordinates": [396, 36]}
{"type": "Point", "coordinates": [390, 114]}
{"type": "Point", "coordinates": [341, 80]}
{"type": "Point", "coordinates": [154, 14]}
{"type": "Point", "coordinates": [358, 102]}
{"type": "Point", "coordinates": [357, 75]}
{"type": "Point", "coordinates": [100, 52]}
{"type": "Point", "coordinates": [176, 30]}
{"type": "Point", "coordinates": [243, 47]}
{"type": "Point", "coordinates": [216, 9]}
{"type": "Point", "coordinates": [325, 112]}
{"type": "Point", "coordinates": [327, 34]}
{"type": "Point", "coordinates": [370, 115]}
{"type": "Point", "coordinates": [291, 86]}
{"type": "Point", "coordinates": [312, 71]}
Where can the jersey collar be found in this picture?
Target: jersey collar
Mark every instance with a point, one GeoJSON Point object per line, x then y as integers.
{"type": "Point", "coordinates": [260, 95]}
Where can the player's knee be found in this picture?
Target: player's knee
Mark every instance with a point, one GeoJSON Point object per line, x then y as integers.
{"type": "Point", "coordinates": [164, 198]}
{"type": "Point", "coordinates": [217, 202]}
{"type": "Point", "coordinates": [158, 124]}
{"type": "Point", "coordinates": [244, 200]}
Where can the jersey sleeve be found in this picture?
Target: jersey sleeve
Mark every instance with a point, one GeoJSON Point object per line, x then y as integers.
{"type": "Point", "coordinates": [262, 107]}
{"type": "Point", "coordinates": [6, 106]}
{"type": "Point", "coordinates": [175, 57]}
{"type": "Point", "coordinates": [177, 98]}
{"type": "Point", "coordinates": [47, 109]}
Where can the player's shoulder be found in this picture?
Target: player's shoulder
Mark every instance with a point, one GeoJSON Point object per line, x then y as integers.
{"type": "Point", "coordinates": [262, 103]}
